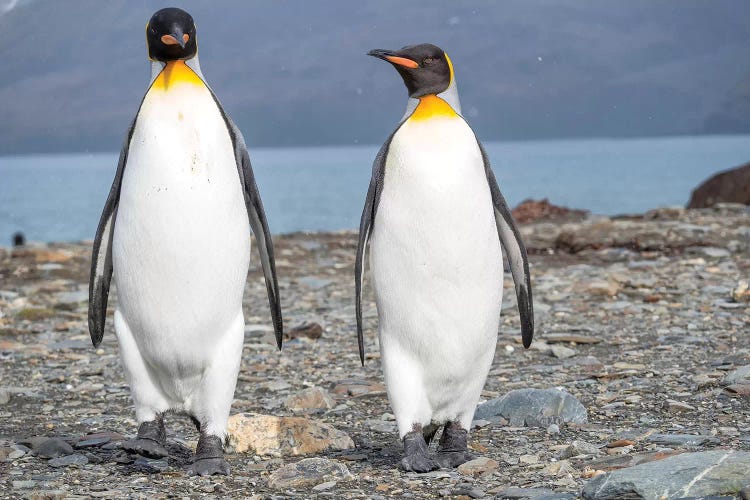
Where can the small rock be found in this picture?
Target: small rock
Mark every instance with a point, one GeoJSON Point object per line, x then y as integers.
{"type": "Point", "coordinates": [93, 442]}
{"type": "Point", "coordinates": [515, 492]}
{"type": "Point", "coordinates": [571, 337]}
{"type": "Point", "coordinates": [741, 293]}
{"type": "Point", "coordinates": [378, 425]}
{"type": "Point", "coordinates": [580, 447]}
{"type": "Point", "coordinates": [52, 448]}
{"type": "Point", "coordinates": [739, 376]}
{"type": "Point", "coordinates": [150, 465]}
{"type": "Point", "coordinates": [534, 407]}
{"type": "Point", "coordinates": [283, 436]}
{"type": "Point", "coordinates": [354, 387]}
{"type": "Point", "coordinates": [559, 468]}
{"type": "Point", "coordinates": [313, 398]}
{"type": "Point", "coordinates": [325, 486]}
{"type": "Point", "coordinates": [677, 406]}
{"type": "Point", "coordinates": [307, 330]}
{"type": "Point", "coordinates": [553, 429]}
{"type": "Point", "coordinates": [23, 485]}
{"type": "Point", "coordinates": [66, 461]}
{"type": "Point", "coordinates": [604, 288]}
{"type": "Point", "coordinates": [529, 459]}
{"type": "Point", "coordinates": [686, 475]}
{"type": "Point", "coordinates": [562, 352]}
{"type": "Point", "coordinates": [308, 473]}
{"type": "Point", "coordinates": [478, 466]}
{"type": "Point", "coordinates": [680, 439]}
{"type": "Point", "coordinates": [4, 396]}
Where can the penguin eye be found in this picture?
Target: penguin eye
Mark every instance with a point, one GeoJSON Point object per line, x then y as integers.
{"type": "Point", "coordinates": [428, 60]}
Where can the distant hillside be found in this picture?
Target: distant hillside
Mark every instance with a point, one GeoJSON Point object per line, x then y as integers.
{"type": "Point", "coordinates": [295, 72]}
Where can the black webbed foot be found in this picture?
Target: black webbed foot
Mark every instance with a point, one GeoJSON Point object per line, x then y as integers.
{"type": "Point", "coordinates": [209, 457]}
{"type": "Point", "coordinates": [416, 457]}
{"type": "Point", "coordinates": [151, 440]}
{"type": "Point", "coordinates": [453, 446]}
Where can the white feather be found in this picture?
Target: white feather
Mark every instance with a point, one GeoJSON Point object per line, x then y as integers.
{"type": "Point", "coordinates": [437, 273]}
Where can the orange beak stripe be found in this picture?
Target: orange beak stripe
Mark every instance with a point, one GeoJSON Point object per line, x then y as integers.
{"type": "Point", "coordinates": [402, 61]}
{"type": "Point", "coordinates": [170, 40]}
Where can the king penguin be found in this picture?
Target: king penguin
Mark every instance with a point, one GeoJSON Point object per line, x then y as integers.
{"type": "Point", "coordinates": [175, 231]}
{"type": "Point", "coordinates": [435, 220]}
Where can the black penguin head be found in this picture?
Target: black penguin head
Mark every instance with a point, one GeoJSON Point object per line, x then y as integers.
{"type": "Point", "coordinates": [425, 68]}
{"type": "Point", "coordinates": [170, 35]}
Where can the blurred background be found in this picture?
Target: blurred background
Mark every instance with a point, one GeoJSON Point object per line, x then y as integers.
{"type": "Point", "coordinates": [613, 107]}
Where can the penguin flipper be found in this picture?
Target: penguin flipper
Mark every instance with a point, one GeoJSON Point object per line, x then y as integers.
{"type": "Point", "coordinates": [511, 239]}
{"type": "Point", "coordinates": [258, 223]}
{"type": "Point", "coordinates": [365, 230]}
{"type": "Point", "coordinates": [101, 255]}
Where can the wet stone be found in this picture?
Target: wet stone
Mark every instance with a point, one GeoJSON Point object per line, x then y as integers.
{"type": "Point", "coordinates": [534, 407]}
{"type": "Point", "coordinates": [67, 461]}
{"type": "Point", "coordinates": [52, 448]}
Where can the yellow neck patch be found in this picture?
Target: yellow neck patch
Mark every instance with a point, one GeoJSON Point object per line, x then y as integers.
{"type": "Point", "coordinates": [431, 106]}
{"type": "Point", "coordinates": [175, 73]}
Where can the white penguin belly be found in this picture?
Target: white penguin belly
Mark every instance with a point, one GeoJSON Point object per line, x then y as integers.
{"type": "Point", "coordinates": [437, 268]}
{"type": "Point", "coordinates": [181, 244]}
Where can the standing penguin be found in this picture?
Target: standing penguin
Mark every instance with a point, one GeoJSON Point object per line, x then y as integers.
{"type": "Point", "coordinates": [435, 220]}
{"type": "Point", "coordinates": [175, 231]}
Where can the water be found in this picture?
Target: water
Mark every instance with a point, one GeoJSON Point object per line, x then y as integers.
{"type": "Point", "coordinates": [60, 197]}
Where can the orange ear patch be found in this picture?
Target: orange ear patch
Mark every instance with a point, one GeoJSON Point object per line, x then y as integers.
{"type": "Point", "coordinates": [402, 61]}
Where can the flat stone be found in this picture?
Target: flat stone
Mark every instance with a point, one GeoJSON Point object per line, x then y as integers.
{"type": "Point", "coordinates": [680, 439]}
{"type": "Point", "coordinates": [68, 460]}
{"type": "Point", "coordinates": [478, 466]}
{"type": "Point", "coordinates": [312, 398]}
{"type": "Point", "coordinates": [4, 396]}
{"type": "Point", "coordinates": [150, 465]}
{"type": "Point", "coordinates": [308, 473]}
{"type": "Point", "coordinates": [306, 330]}
{"type": "Point", "coordinates": [52, 448]}
{"type": "Point", "coordinates": [283, 436]}
{"type": "Point", "coordinates": [93, 442]}
{"type": "Point", "coordinates": [686, 475]}
{"type": "Point", "coordinates": [515, 492]}
{"type": "Point", "coordinates": [622, 461]}
{"type": "Point", "coordinates": [356, 388]}
{"type": "Point", "coordinates": [534, 408]}
{"type": "Point", "coordinates": [571, 337]}
{"type": "Point", "coordinates": [739, 376]}
{"type": "Point", "coordinates": [562, 352]}
{"type": "Point", "coordinates": [580, 447]}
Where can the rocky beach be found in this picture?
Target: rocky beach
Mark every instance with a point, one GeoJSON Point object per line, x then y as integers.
{"type": "Point", "coordinates": [637, 384]}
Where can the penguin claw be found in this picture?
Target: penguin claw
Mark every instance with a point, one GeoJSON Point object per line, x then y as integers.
{"type": "Point", "coordinates": [418, 463]}
{"type": "Point", "coordinates": [208, 467]}
{"type": "Point", "coordinates": [145, 447]}
{"type": "Point", "coordinates": [452, 459]}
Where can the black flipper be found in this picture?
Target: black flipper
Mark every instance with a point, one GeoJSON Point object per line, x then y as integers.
{"type": "Point", "coordinates": [101, 256]}
{"type": "Point", "coordinates": [516, 252]}
{"type": "Point", "coordinates": [257, 217]}
{"type": "Point", "coordinates": [365, 230]}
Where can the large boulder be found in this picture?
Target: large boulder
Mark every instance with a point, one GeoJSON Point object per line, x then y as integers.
{"type": "Point", "coordinates": [729, 186]}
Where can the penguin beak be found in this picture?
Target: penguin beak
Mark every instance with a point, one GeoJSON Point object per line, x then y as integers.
{"type": "Point", "coordinates": [176, 38]}
{"type": "Point", "coordinates": [393, 58]}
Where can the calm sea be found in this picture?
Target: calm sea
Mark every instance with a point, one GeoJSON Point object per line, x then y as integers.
{"type": "Point", "coordinates": [59, 197]}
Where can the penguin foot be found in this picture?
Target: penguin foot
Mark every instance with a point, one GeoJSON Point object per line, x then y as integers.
{"type": "Point", "coordinates": [452, 459]}
{"type": "Point", "coordinates": [151, 440]}
{"type": "Point", "coordinates": [416, 457]}
{"type": "Point", "coordinates": [208, 467]}
{"type": "Point", "coordinates": [453, 446]}
{"type": "Point", "coordinates": [209, 457]}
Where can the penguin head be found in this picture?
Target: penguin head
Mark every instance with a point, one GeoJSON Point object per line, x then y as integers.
{"type": "Point", "coordinates": [425, 68]}
{"type": "Point", "coordinates": [170, 35]}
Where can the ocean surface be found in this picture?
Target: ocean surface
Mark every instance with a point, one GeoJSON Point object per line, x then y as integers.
{"type": "Point", "coordinates": [60, 197]}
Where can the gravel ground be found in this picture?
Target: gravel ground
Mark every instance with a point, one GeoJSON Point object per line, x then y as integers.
{"type": "Point", "coordinates": [643, 319]}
